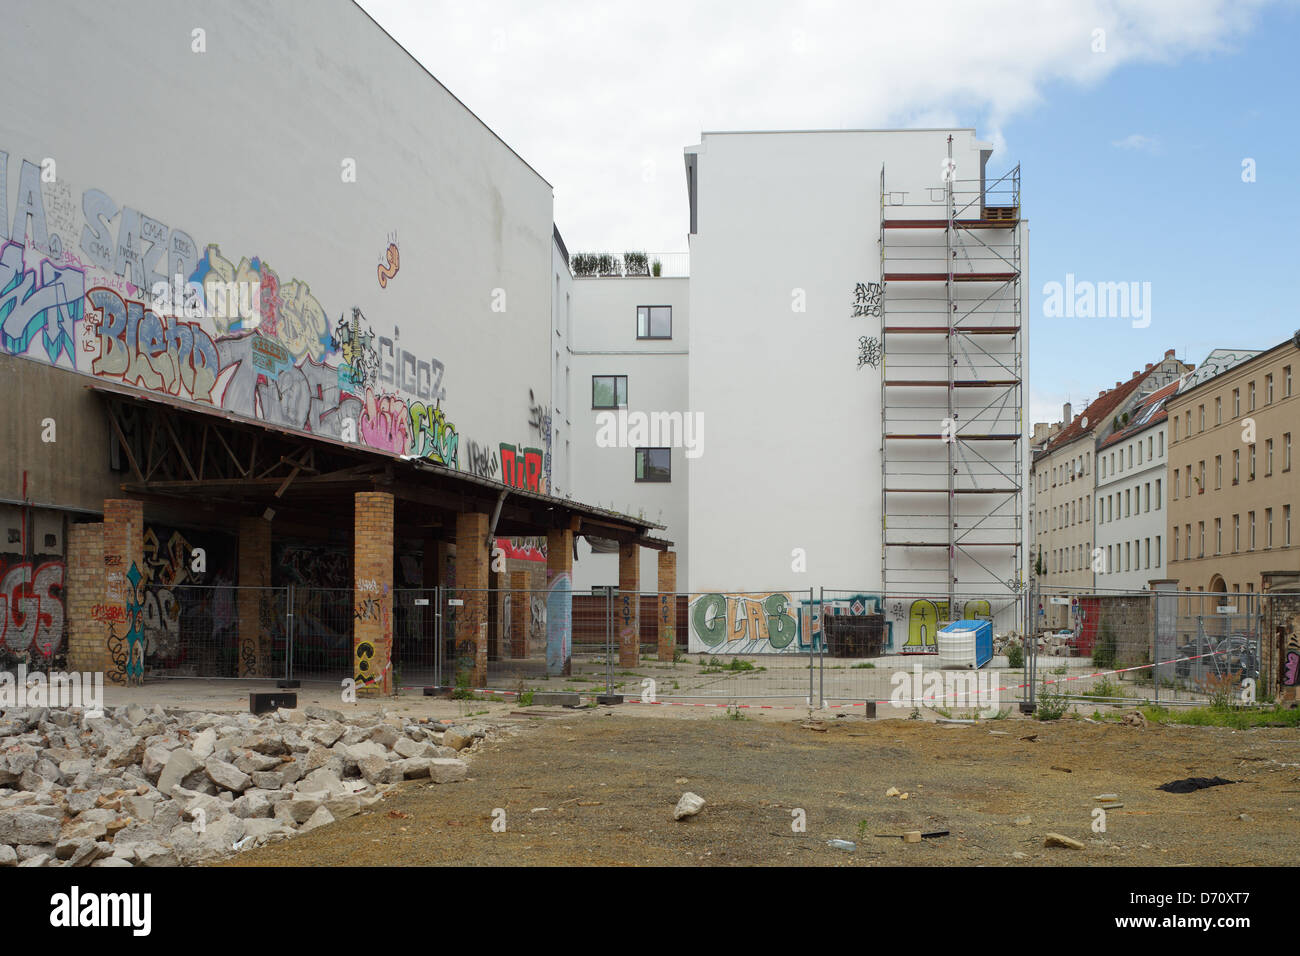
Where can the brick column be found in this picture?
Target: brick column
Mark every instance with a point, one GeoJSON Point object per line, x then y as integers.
{"type": "Point", "coordinates": [472, 565]}
{"type": "Point", "coordinates": [520, 613]}
{"type": "Point", "coordinates": [667, 605]}
{"type": "Point", "coordinates": [254, 604]}
{"type": "Point", "coordinates": [88, 615]}
{"type": "Point", "coordinates": [372, 596]}
{"type": "Point", "coordinates": [123, 560]}
{"type": "Point", "coordinates": [629, 604]}
{"type": "Point", "coordinates": [559, 602]}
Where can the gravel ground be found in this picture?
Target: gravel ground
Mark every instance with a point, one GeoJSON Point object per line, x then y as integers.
{"type": "Point", "coordinates": [598, 788]}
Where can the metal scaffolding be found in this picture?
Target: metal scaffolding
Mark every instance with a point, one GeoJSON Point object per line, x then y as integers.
{"type": "Point", "coordinates": [951, 393]}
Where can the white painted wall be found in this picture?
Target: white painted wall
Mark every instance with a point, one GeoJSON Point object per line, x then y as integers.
{"type": "Point", "coordinates": [605, 343]}
{"type": "Point", "coordinates": [1128, 522]}
{"type": "Point", "coordinates": [243, 147]}
{"type": "Point", "coordinates": [793, 456]}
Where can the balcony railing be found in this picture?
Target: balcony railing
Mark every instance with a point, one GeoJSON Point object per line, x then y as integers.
{"type": "Point", "coordinates": [630, 265]}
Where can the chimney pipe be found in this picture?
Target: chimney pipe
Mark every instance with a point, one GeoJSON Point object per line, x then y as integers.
{"type": "Point", "coordinates": [1066, 416]}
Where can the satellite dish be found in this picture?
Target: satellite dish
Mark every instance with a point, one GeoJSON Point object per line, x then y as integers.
{"type": "Point", "coordinates": [1084, 422]}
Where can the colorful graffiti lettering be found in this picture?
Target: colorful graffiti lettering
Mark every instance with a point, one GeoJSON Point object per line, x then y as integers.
{"type": "Point", "coordinates": [31, 607]}
{"type": "Point", "coordinates": [432, 436]}
{"type": "Point", "coordinates": [521, 468]}
{"type": "Point", "coordinates": [355, 342]}
{"type": "Point", "coordinates": [121, 254]}
{"type": "Point", "coordinates": [137, 347]}
{"type": "Point", "coordinates": [480, 460]}
{"type": "Point", "coordinates": [39, 306]}
{"type": "Point", "coordinates": [288, 312]}
{"type": "Point", "coordinates": [745, 623]}
{"type": "Point", "coordinates": [924, 615]}
{"type": "Point", "coordinates": [384, 423]}
{"type": "Point", "coordinates": [559, 623]}
{"type": "Point", "coordinates": [523, 549]}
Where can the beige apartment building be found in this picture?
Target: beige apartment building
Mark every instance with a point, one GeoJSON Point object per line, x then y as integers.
{"type": "Point", "coordinates": [1234, 487]}
{"type": "Point", "coordinates": [1062, 486]}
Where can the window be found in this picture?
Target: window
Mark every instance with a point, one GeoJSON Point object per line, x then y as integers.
{"type": "Point", "coordinates": [1176, 474]}
{"type": "Point", "coordinates": [1268, 457]}
{"type": "Point", "coordinates": [1252, 463]}
{"type": "Point", "coordinates": [1157, 499]}
{"type": "Point", "coordinates": [1286, 381]}
{"type": "Point", "coordinates": [609, 391]}
{"type": "Point", "coordinates": [1162, 444]}
{"type": "Point", "coordinates": [1251, 520]}
{"type": "Point", "coordinates": [1200, 534]}
{"type": "Point", "coordinates": [1218, 536]}
{"type": "Point", "coordinates": [1218, 472]}
{"type": "Point", "coordinates": [1286, 523]}
{"type": "Point", "coordinates": [1146, 490]}
{"type": "Point", "coordinates": [654, 321]}
{"type": "Point", "coordinates": [653, 464]}
{"type": "Point", "coordinates": [1236, 466]}
{"type": "Point", "coordinates": [1157, 550]}
{"type": "Point", "coordinates": [1236, 533]}
{"type": "Point", "coordinates": [1250, 396]}
{"type": "Point", "coordinates": [1236, 402]}
{"type": "Point", "coordinates": [1268, 527]}
{"type": "Point", "coordinates": [1200, 413]}
{"type": "Point", "coordinates": [1174, 419]}
{"type": "Point", "coordinates": [1286, 452]}
{"type": "Point", "coordinates": [1174, 553]}
{"type": "Point", "coordinates": [1218, 411]}
{"type": "Point", "coordinates": [1268, 389]}
{"type": "Point", "coordinates": [1200, 478]}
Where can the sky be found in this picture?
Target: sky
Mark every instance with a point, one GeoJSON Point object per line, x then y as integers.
{"type": "Point", "coordinates": [1157, 140]}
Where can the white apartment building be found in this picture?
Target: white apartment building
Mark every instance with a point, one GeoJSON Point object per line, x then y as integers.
{"type": "Point", "coordinates": [631, 430]}
{"type": "Point", "coordinates": [1130, 515]}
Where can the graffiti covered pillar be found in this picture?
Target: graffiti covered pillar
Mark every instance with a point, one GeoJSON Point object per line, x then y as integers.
{"type": "Point", "coordinates": [667, 605]}
{"type": "Point", "coordinates": [123, 559]}
{"type": "Point", "coordinates": [519, 613]}
{"type": "Point", "coordinates": [559, 603]}
{"type": "Point", "coordinates": [255, 602]}
{"type": "Point", "coordinates": [372, 595]}
{"type": "Point", "coordinates": [88, 617]}
{"type": "Point", "coordinates": [472, 564]}
{"type": "Point", "coordinates": [629, 604]}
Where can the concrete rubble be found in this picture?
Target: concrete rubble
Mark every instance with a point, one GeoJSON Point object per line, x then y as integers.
{"type": "Point", "coordinates": [137, 787]}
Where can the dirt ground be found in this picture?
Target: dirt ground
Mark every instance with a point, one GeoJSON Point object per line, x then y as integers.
{"type": "Point", "coordinates": [599, 787]}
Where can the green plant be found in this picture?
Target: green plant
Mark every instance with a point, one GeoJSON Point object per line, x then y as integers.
{"type": "Point", "coordinates": [915, 714]}
{"type": "Point", "coordinates": [1052, 704]}
{"type": "Point", "coordinates": [1015, 657]}
{"type": "Point", "coordinates": [636, 263]}
{"type": "Point", "coordinates": [584, 264]}
{"type": "Point", "coordinates": [462, 689]}
{"type": "Point", "coordinates": [943, 712]}
{"type": "Point", "coordinates": [526, 698]}
{"type": "Point", "coordinates": [1104, 687]}
{"type": "Point", "coordinates": [864, 665]}
{"type": "Point", "coordinates": [656, 268]}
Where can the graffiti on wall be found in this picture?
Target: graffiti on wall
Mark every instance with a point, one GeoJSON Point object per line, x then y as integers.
{"type": "Point", "coordinates": [922, 618]}
{"type": "Point", "coordinates": [522, 467]}
{"type": "Point", "coordinates": [742, 623]}
{"type": "Point", "coordinates": [539, 421]}
{"type": "Point", "coordinates": [868, 299]}
{"type": "Point", "coordinates": [40, 305]}
{"type": "Point", "coordinates": [31, 606]}
{"type": "Point", "coordinates": [479, 460]}
{"type": "Point", "coordinates": [1291, 652]}
{"type": "Point", "coordinates": [139, 348]}
{"type": "Point", "coordinates": [391, 262]}
{"type": "Point", "coordinates": [559, 623]}
{"type": "Point", "coordinates": [523, 549]}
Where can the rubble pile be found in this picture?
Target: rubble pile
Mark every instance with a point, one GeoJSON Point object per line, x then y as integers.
{"type": "Point", "coordinates": [137, 787]}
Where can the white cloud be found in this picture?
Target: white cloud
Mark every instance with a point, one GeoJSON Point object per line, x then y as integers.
{"type": "Point", "coordinates": [589, 93]}
{"type": "Point", "coordinates": [1146, 144]}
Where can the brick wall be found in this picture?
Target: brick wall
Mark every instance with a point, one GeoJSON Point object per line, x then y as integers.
{"type": "Point", "coordinates": [667, 601]}
{"type": "Point", "coordinates": [84, 599]}
{"type": "Point", "coordinates": [472, 566]}
{"type": "Point", "coordinates": [559, 602]}
{"type": "Point", "coordinates": [628, 608]}
{"type": "Point", "coordinates": [372, 563]}
{"type": "Point", "coordinates": [254, 605]}
{"type": "Point", "coordinates": [123, 549]}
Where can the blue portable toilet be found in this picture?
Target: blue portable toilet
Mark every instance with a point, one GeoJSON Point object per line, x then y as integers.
{"type": "Point", "coordinates": [965, 644]}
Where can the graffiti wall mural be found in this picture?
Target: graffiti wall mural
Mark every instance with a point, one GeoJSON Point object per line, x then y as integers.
{"type": "Point", "coordinates": [109, 291]}
{"type": "Point", "coordinates": [31, 607]}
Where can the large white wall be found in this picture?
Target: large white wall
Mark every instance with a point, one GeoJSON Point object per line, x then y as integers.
{"type": "Point", "coordinates": [1139, 476]}
{"type": "Point", "coordinates": [787, 225]}
{"type": "Point", "coordinates": [242, 152]}
{"type": "Point", "coordinates": [605, 343]}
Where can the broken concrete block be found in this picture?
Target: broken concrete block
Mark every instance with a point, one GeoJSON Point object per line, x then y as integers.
{"type": "Point", "coordinates": [180, 764]}
{"type": "Point", "coordinates": [1056, 839]}
{"type": "Point", "coordinates": [227, 775]}
{"type": "Point", "coordinates": [28, 827]}
{"type": "Point", "coordinates": [447, 769]}
{"type": "Point", "coordinates": [688, 806]}
{"type": "Point", "coordinates": [378, 771]}
{"type": "Point", "coordinates": [320, 818]}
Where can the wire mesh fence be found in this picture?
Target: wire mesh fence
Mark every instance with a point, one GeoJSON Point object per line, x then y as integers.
{"type": "Point", "coordinates": [840, 647]}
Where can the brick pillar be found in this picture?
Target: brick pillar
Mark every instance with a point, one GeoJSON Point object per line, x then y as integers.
{"type": "Point", "coordinates": [667, 605]}
{"type": "Point", "coordinates": [520, 613]}
{"type": "Point", "coordinates": [372, 596]}
{"type": "Point", "coordinates": [123, 569]}
{"type": "Point", "coordinates": [254, 604]}
{"type": "Point", "coordinates": [88, 615]}
{"type": "Point", "coordinates": [472, 564]}
{"type": "Point", "coordinates": [629, 604]}
{"type": "Point", "coordinates": [559, 602]}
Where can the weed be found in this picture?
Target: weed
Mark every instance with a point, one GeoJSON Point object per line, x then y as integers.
{"type": "Point", "coordinates": [865, 665]}
{"type": "Point", "coordinates": [1052, 704]}
{"type": "Point", "coordinates": [1015, 657]}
